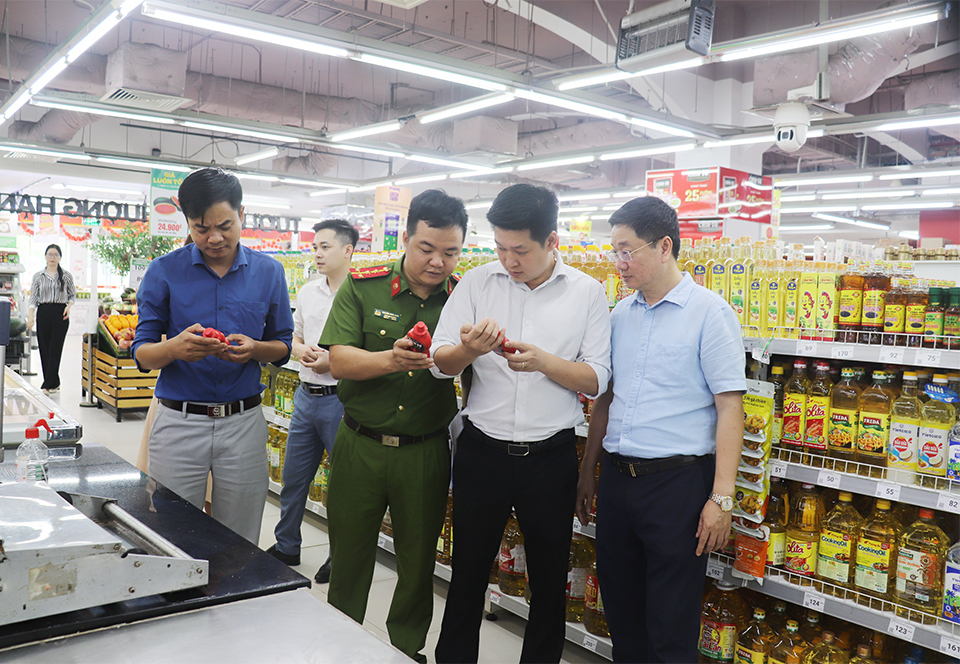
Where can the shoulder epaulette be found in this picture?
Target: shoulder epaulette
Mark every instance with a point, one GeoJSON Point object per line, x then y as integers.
{"type": "Point", "coordinates": [368, 272]}
{"type": "Point", "coordinates": [454, 280]}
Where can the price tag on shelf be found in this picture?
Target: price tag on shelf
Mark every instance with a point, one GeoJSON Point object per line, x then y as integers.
{"type": "Point", "coordinates": [714, 569]}
{"type": "Point", "coordinates": [495, 597]}
{"type": "Point", "coordinates": [888, 491]}
{"type": "Point", "coordinates": [891, 355]}
{"type": "Point", "coordinates": [807, 348]}
{"type": "Point", "coordinates": [948, 502]}
{"type": "Point", "coordinates": [842, 352]}
{"type": "Point", "coordinates": [950, 646]}
{"type": "Point", "coordinates": [777, 468]}
{"type": "Point", "coordinates": [814, 601]}
{"type": "Point", "coordinates": [929, 358]}
{"type": "Point", "coordinates": [382, 541]}
{"type": "Point", "coordinates": [761, 355]}
{"type": "Point", "coordinates": [901, 629]}
{"type": "Point", "coordinates": [589, 643]}
{"type": "Point", "coordinates": [828, 478]}
{"type": "Point", "coordinates": [577, 527]}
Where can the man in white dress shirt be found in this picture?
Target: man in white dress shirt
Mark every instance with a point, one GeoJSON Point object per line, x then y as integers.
{"type": "Point", "coordinates": [316, 409]}
{"type": "Point", "coordinates": [536, 332]}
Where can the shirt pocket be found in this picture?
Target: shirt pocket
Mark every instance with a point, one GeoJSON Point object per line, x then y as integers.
{"type": "Point", "coordinates": [252, 318]}
{"type": "Point", "coordinates": [379, 333]}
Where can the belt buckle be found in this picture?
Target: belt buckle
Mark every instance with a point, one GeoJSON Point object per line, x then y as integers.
{"type": "Point", "coordinates": [218, 410]}
{"type": "Point", "coordinates": [390, 441]}
{"type": "Point", "coordinates": [511, 446]}
{"type": "Point", "coordinates": [633, 471]}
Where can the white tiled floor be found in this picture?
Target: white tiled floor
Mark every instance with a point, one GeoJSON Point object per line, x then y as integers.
{"type": "Point", "coordinates": [500, 640]}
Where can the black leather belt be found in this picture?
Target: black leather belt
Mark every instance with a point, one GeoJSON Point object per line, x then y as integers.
{"type": "Point", "coordinates": [389, 441]}
{"type": "Point", "coordinates": [213, 409]}
{"type": "Point", "coordinates": [522, 449]}
{"type": "Point", "coordinates": [320, 390]}
{"type": "Point", "coordinates": [635, 467]}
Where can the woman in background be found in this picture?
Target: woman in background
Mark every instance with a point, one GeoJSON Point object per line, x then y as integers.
{"type": "Point", "coordinates": [52, 293]}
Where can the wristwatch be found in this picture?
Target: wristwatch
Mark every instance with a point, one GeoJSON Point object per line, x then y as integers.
{"type": "Point", "coordinates": [725, 502]}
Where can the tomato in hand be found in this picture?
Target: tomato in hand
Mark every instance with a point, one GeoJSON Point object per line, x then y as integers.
{"type": "Point", "coordinates": [212, 333]}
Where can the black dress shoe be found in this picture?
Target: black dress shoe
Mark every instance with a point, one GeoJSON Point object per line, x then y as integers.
{"type": "Point", "coordinates": [285, 558]}
{"type": "Point", "coordinates": [323, 574]}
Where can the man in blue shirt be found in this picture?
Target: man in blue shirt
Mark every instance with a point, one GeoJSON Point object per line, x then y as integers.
{"type": "Point", "coordinates": [210, 418]}
{"type": "Point", "coordinates": [671, 427]}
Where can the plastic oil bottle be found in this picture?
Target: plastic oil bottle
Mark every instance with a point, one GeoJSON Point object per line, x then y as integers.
{"type": "Point", "coordinates": [875, 286]}
{"type": "Point", "coordinates": [701, 258]}
{"type": "Point", "coordinates": [938, 417]}
{"type": "Point", "coordinates": [740, 283]}
{"type": "Point", "coordinates": [933, 320]}
{"type": "Point", "coordinates": [776, 518]}
{"type": "Point", "coordinates": [325, 479]}
{"type": "Point", "coordinates": [718, 271]}
{"type": "Point", "coordinates": [844, 417]}
{"type": "Point", "coordinates": [513, 560]}
{"type": "Point", "coordinates": [828, 301]}
{"type": "Point", "coordinates": [817, 415]}
{"type": "Point", "coordinates": [922, 550]}
{"type": "Point", "coordinates": [791, 300]}
{"type": "Point", "coordinates": [594, 619]}
{"type": "Point", "coordinates": [795, 406]}
{"type": "Point", "coordinates": [864, 655]}
{"type": "Point", "coordinates": [778, 380]}
{"type": "Point", "coordinates": [826, 652]}
{"type": "Point", "coordinates": [951, 581]}
{"type": "Point", "coordinates": [756, 289]}
{"type": "Point", "coordinates": [685, 261]}
{"type": "Point", "coordinates": [851, 305]}
{"type": "Point", "coordinates": [778, 618]}
{"type": "Point", "coordinates": [895, 314]}
{"type": "Point", "coordinates": [811, 630]}
{"type": "Point", "coordinates": [790, 647]}
{"type": "Point", "coordinates": [917, 300]}
{"type": "Point", "coordinates": [905, 417]}
{"type": "Point", "coordinates": [951, 320]}
{"type": "Point", "coordinates": [755, 640]}
{"type": "Point", "coordinates": [273, 454]}
{"type": "Point", "coordinates": [315, 493]}
{"type": "Point", "coordinates": [773, 300]}
{"type": "Point", "coordinates": [875, 404]}
{"type": "Point", "coordinates": [837, 550]}
{"type": "Point", "coordinates": [582, 555]}
{"type": "Point", "coordinates": [724, 612]}
{"type": "Point", "coordinates": [876, 557]}
{"type": "Point", "coordinates": [803, 534]}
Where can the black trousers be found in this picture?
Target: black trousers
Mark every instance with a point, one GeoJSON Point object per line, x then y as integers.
{"type": "Point", "coordinates": [651, 579]}
{"type": "Point", "coordinates": [51, 333]}
{"type": "Point", "coordinates": [541, 488]}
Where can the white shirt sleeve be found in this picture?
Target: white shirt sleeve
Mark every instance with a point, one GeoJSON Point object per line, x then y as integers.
{"type": "Point", "coordinates": [595, 348]}
{"type": "Point", "coordinates": [459, 310]}
{"type": "Point", "coordinates": [298, 315]}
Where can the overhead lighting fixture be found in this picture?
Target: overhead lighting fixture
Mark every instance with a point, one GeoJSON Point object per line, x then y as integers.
{"type": "Point", "coordinates": [369, 187]}
{"type": "Point", "coordinates": [804, 228]}
{"type": "Point", "coordinates": [102, 28]}
{"type": "Point", "coordinates": [582, 197]}
{"type": "Point", "coordinates": [479, 205]}
{"type": "Point", "coordinates": [51, 73]}
{"type": "Point", "coordinates": [909, 235]}
{"type": "Point", "coordinates": [657, 61]}
{"type": "Point", "coordinates": [819, 208]}
{"type": "Point", "coordinates": [946, 191]}
{"type": "Point", "coordinates": [437, 161]}
{"type": "Point", "coordinates": [910, 205]}
{"type": "Point", "coordinates": [839, 179]}
{"type": "Point", "coordinates": [44, 152]}
{"type": "Point", "coordinates": [148, 165]}
{"type": "Point", "coordinates": [919, 123]}
{"type": "Point", "coordinates": [465, 107]}
{"type": "Point", "coordinates": [79, 108]}
{"type": "Point", "coordinates": [921, 174]}
{"type": "Point", "coordinates": [891, 193]}
{"type": "Point", "coordinates": [100, 190]}
{"type": "Point", "coordinates": [599, 78]}
{"type": "Point", "coordinates": [255, 176]}
{"type": "Point", "coordinates": [579, 208]}
{"type": "Point", "coordinates": [586, 109]}
{"type": "Point", "coordinates": [479, 173]}
{"type": "Point", "coordinates": [240, 131]}
{"type": "Point", "coordinates": [870, 224]}
{"type": "Point", "coordinates": [431, 72]}
{"type": "Point", "coordinates": [658, 126]}
{"type": "Point", "coordinates": [362, 132]}
{"type": "Point", "coordinates": [306, 183]}
{"type": "Point", "coordinates": [420, 179]}
{"type": "Point", "coordinates": [329, 192]}
{"type": "Point", "coordinates": [553, 163]}
{"type": "Point", "coordinates": [647, 152]}
{"type": "Point", "coordinates": [393, 154]}
{"type": "Point", "coordinates": [800, 198]}
{"type": "Point", "coordinates": [254, 201]}
{"type": "Point", "coordinates": [742, 140]}
{"type": "Point", "coordinates": [833, 217]}
{"type": "Point", "coordinates": [629, 194]}
{"type": "Point", "coordinates": [257, 156]}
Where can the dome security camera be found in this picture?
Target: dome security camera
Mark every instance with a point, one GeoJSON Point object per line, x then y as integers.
{"type": "Point", "coordinates": [790, 124]}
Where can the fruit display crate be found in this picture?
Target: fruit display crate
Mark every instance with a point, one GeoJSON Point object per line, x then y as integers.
{"type": "Point", "coordinates": [107, 342]}
{"type": "Point", "coordinates": [879, 615]}
{"type": "Point", "coordinates": [117, 383]}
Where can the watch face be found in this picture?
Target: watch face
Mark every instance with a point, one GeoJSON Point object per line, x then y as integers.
{"type": "Point", "coordinates": [726, 503]}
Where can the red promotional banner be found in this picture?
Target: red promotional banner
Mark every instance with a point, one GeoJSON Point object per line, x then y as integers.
{"type": "Point", "coordinates": [713, 193]}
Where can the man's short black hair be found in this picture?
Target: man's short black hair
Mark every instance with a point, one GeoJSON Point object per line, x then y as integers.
{"type": "Point", "coordinates": [345, 233]}
{"type": "Point", "coordinates": [526, 207]}
{"type": "Point", "coordinates": [203, 189]}
{"type": "Point", "coordinates": [436, 209]}
{"type": "Point", "coordinates": [651, 219]}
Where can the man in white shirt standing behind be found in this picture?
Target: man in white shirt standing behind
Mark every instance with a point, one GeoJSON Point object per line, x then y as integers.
{"type": "Point", "coordinates": [316, 409]}
{"type": "Point", "coordinates": [537, 332]}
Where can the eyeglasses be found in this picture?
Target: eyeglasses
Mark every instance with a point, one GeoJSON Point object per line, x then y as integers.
{"type": "Point", "coordinates": [627, 256]}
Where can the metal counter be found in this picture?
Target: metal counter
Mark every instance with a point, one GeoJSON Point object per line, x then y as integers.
{"type": "Point", "coordinates": [23, 404]}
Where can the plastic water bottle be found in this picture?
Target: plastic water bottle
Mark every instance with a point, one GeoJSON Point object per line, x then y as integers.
{"type": "Point", "coordinates": [33, 456]}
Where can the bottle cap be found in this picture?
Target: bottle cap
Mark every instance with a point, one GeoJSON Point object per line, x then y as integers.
{"type": "Point", "coordinates": [883, 504]}
{"type": "Point", "coordinates": [792, 626]}
{"type": "Point", "coordinates": [776, 369]}
{"type": "Point", "coordinates": [828, 636]}
{"type": "Point", "coordinates": [940, 378]}
{"type": "Point", "coordinates": [926, 513]}
{"type": "Point", "coordinates": [759, 614]}
{"type": "Point", "coordinates": [799, 363]}
{"type": "Point", "coordinates": [847, 372]}
{"type": "Point", "coordinates": [909, 375]}
{"type": "Point", "coordinates": [845, 496]}
{"type": "Point", "coordinates": [863, 650]}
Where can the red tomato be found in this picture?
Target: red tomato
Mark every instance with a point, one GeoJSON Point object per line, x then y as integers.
{"type": "Point", "coordinates": [212, 333]}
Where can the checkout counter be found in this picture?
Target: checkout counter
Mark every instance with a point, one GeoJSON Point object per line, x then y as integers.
{"type": "Point", "coordinates": [240, 604]}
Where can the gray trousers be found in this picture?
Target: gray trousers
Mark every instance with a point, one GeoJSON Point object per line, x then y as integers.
{"type": "Point", "coordinates": [185, 447]}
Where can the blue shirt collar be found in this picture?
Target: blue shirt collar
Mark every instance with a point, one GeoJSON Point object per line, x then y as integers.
{"type": "Point", "coordinates": [678, 295]}
{"type": "Point", "coordinates": [239, 260]}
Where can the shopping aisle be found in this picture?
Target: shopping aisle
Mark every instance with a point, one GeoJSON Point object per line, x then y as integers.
{"type": "Point", "coordinates": [500, 640]}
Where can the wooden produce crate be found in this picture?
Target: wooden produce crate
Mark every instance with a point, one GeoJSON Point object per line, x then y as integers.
{"type": "Point", "coordinates": [117, 383]}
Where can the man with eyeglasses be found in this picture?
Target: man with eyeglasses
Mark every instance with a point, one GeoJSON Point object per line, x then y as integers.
{"type": "Point", "coordinates": [669, 428]}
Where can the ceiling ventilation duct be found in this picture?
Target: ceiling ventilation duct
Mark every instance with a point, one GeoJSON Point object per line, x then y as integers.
{"type": "Point", "coordinates": [146, 77]}
{"type": "Point", "coordinates": [664, 35]}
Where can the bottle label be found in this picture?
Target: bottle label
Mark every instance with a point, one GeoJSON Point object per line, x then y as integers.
{"type": "Point", "coordinates": [933, 323]}
{"type": "Point", "coordinates": [894, 318]}
{"type": "Point", "coordinates": [918, 575]}
{"type": "Point", "coordinates": [932, 459]}
{"type": "Point", "coordinates": [843, 429]}
{"type": "Point", "coordinates": [873, 565]}
{"type": "Point", "coordinates": [951, 325]}
{"type": "Point", "coordinates": [777, 429]}
{"type": "Point", "coordinates": [916, 318]}
{"type": "Point", "coordinates": [873, 308]}
{"type": "Point", "coordinates": [808, 301]}
{"type": "Point", "coordinates": [718, 640]}
{"type": "Point", "coordinates": [274, 457]}
{"type": "Point", "coordinates": [718, 281]}
{"type": "Point", "coordinates": [591, 592]}
{"type": "Point", "coordinates": [773, 305]}
{"type": "Point", "coordinates": [755, 307]}
{"type": "Point", "coordinates": [874, 433]}
{"type": "Point", "coordinates": [851, 307]}
{"type": "Point", "coordinates": [513, 561]}
{"type": "Point", "coordinates": [904, 437]}
{"type": "Point", "coordinates": [738, 290]}
{"type": "Point", "coordinates": [801, 556]}
{"type": "Point", "coordinates": [794, 415]}
{"type": "Point", "coordinates": [833, 558]}
{"type": "Point", "coordinates": [951, 592]}
{"type": "Point", "coordinates": [815, 428]}
{"type": "Point", "coordinates": [577, 583]}
{"type": "Point", "coordinates": [790, 305]}
{"type": "Point", "coordinates": [613, 288]}
{"type": "Point", "coordinates": [700, 274]}
{"type": "Point", "coordinates": [747, 656]}
{"type": "Point", "coordinates": [777, 549]}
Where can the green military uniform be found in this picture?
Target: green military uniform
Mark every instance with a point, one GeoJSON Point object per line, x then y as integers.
{"type": "Point", "coordinates": [372, 310]}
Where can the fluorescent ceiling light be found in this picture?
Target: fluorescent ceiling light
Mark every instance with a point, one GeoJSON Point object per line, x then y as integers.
{"type": "Point", "coordinates": [437, 161]}
{"type": "Point", "coordinates": [819, 208]}
{"type": "Point", "coordinates": [629, 194]}
{"type": "Point", "coordinates": [369, 187]}
{"type": "Point", "coordinates": [670, 58]}
{"type": "Point", "coordinates": [255, 176]}
{"type": "Point", "coordinates": [479, 205]}
{"type": "Point", "coordinates": [240, 131]}
{"type": "Point", "coordinates": [837, 179]}
{"type": "Point", "coordinates": [910, 205]}
{"type": "Point", "coordinates": [93, 36]}
{"type": "Point", "coordinates": [742, 140]}
{"type": "Point", "coordinates": [361, 132]}
{"type": "Point", "coordinates": [257, 156]}
{"type": "Point", "coordinates": [582, 197]}
{"type": "Point", "coordinates": [870, 224]}
{"type": "Point", "coordinates": [599, 78]}
{"type": "Point", "coordinates": [921, 174]}
{"type": "Point", "coordinates": [922, 123]}
{"type": "Point", "coordinates": [486, 171]}
{"type": "Point", "coordinates": [145, 164]}
{"type": "Point", "coordinates": [465, 107]}
{"type": "Point", "coordinates": [579, 208]}
{"type": "Point", "coordinates": [79, 108]}
{"type": "Point", "coordinates": [946, 191]}
{"type": "Point", "coordinates": [101, 190]}
{"type": "Point", "coordinates": [646, 152]}
{"type": "Point", "coordinates": [422, 178]}
{"type": "Point", "coordinates": [327, 192]}
{"type": "Point", "coordinates": [800, 198]}
{"type": "Point", "coordinates": [18, 101]}
{"type": "Point", "coordinates": [431, 72]}
{"type": "Point", "coordinates": [306, 183]}
{"type": "Point", "coordinates": [910, 235]}
{"type": "Point", "coordinates": [892, 193]}
{"type": "Point", "coordinates": [51, 73]}
{"type": "Point", "coordinates": [377, 151]}
{"type": "Point", "coordinates": [261, 204]}
{"type": "Point", "coordinates": [552, 163]}
{"type": "Point", "coordinates": [276, 38]}
{"type": "Point", "coordinates": [805, 228]}
{"type": "Point", "coordinates": [833, 217]}
{"type": "Point", "coordinates": [586, 109]}
{"type": "Point", "coordinates": [657, 126]}
{"type": "Point", "coordinates": [43, 152]}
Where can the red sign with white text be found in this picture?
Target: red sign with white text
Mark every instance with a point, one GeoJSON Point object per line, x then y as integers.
{"type": "Point", "coordinates": [713, 193]}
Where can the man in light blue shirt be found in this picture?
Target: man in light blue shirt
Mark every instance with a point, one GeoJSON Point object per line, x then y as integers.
{"type": "Point", "coordinates": [669, 428]}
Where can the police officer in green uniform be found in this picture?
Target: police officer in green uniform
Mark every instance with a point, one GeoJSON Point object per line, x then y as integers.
{"type": "Point", "coordinates": [392, 446]}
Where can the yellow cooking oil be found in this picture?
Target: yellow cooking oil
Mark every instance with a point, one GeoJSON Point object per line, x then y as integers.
{"type": "Point", "coordinates": [756, 318]}
{"type": "Point", "coordinates": [791, 294]}
{"type": "Point", "coordinates": [740, 283]}
{"type": "Point", "coordinates": [773, 300]}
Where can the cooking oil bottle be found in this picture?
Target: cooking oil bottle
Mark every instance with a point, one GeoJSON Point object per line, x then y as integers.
{"type": "Point", "coordinates": [905, 416]}
{"type": "Point", "coordinates": [273, 453]}
{"type": "Point", "coordinates": [701, 256]}
{"type": "Point", "coordinates": [740, 282]}
{"type": "Point", "coordinates": [325, 481]}
{"type": "Point", "coordinates": [803, 534]}
{"type": "Point", "coordinates": [811, 630]}
{"type": "Point", "coordinates": [582, 555]}
{"type": "Point", "coordinates": [875, 404]}
{"type": "Point", "coordinates": [864, 655]}
{"type": "Point", "coordinates": [755, 640]}
{"type": "Point", "coordinates": [828, 301]}
{"type": "Point", "coordinates": [895, 314]}
{"type": "Point", "coordinates": [282, 444]}
{"type": "Point", "coordinates": [876, 556]}
{"type": "Point", "coordinates": [817, 415]}
{"type": "Point", "coordinates": [790, 647]}
{"type": "Point", "coordinates": [755, 313]}
{"type": "Point", "coordinates": [795, 406]}
{"type": "Point", "coordinates": [778, 619]}
{"type": "Point", "coordinates": [917, 300]}
{"type": "Point", "coordinates": [938, 417]}
{"type": "Point", "coordinates": [922, 550]}
{"type": "Point", "coordinates": [685, 261]}
{"type": "Point", "coordinates": [594, 619]}
{"type": "Point", "coordinates": [838, 544]}
{"type": "Point", "coordinates": [775, 519]}
{"type": "Point", "coordinates": [933, 319]}
{"type": "Point", "coordinates": [445, 539]}
{"type": "Point", "coordinates": [773, 300]}
{"type": "Point", "coordinates": [315, 493]}
{"type": "Point", "coordinates": [778, 380]}
{"type": "Point", "coordinates": [851, 304]}
{"type": "Point", "coordinates": [791, 300]}
{"type": "Point", "coordinates": [718, 271]}
{"type": "Point", "coordinates": [513, 559]}
{"type": "Point", "coordinates": [875, 286]}
{"type": "Point", "coordinates": [844, 418]}
{"type": "Point", "coordinates": [826, 652]}
{"type": "Point", "coordinates": [724, 612]}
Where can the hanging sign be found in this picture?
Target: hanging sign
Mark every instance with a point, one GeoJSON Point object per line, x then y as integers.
{"type": "Point", "coordinates": [166, 217]}
{"type": "Point", "coordinates": [390, 207]}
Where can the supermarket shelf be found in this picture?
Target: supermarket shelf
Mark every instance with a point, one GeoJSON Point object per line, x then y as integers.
{"type": "Point", "coordinates": [943, 636]}
{"type": "Point", "coordinates": [924, 357]}
{"type": "Point", "coordinates": [946, 497]}
{"type": "Point", "coordinates": [575, 632]}
{"type": "Point", "coordinates": [589, 530]}
{"type": "Point", "coordinates": [270, 415]}
{"type": "Point", "coordinates": [12, 268]}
